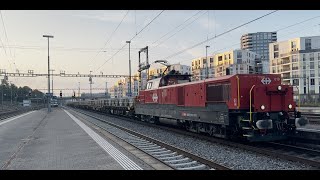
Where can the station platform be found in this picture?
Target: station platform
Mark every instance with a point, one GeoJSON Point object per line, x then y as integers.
{"type": "Point", "coordinates": [56, 140]}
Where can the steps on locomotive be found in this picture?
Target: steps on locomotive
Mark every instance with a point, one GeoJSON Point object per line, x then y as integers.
{"type": "Point", "coordinates": [246, 127]}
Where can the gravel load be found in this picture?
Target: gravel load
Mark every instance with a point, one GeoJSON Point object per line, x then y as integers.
{"type": "Point", "coordinates": [231, 157]}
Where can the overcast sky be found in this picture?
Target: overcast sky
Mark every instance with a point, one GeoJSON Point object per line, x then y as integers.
{"type": "Point", "coordinates": [80, 35]}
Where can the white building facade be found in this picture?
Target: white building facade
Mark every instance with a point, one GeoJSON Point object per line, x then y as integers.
{"type": "Point", "coordinates": [236, 62]}
{"type": "Point", "coordinates": [298, 62]}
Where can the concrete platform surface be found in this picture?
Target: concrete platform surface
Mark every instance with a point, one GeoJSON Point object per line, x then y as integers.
{"type": "Point", "coordinates": [54, 141]}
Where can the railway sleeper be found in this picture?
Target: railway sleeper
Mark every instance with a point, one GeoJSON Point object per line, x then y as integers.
{"type": "Point", "coordinates": [165, 155]}
{"type": "Point", "coordinates": [199, 167]}
{"type": "Point", "coordinates": [171, 157]}
{"type": "Point", "coordinates": [184, 164]}
{"type": "Point", "coordinates": [177, 160]}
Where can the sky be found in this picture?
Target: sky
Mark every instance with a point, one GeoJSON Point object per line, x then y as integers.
{"type": "Point", "coordinates": [95, 40]}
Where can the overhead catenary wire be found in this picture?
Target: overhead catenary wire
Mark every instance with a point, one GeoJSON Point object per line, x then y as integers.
{"type": "Point", "coordinates": [5, 31]}
{"type": "Point", "coordinates": [176, 27]}
{"type": "Point", "coordinates": [202, 42]}
{"type": "Point", "coordinates": [131, 39]}
{"type": "Point", "coordinates": [111, 35]}
{"type": "Point", "coordinates": [7, 41]}
{"type": "Point", "coordinates": [281, 29]}
{"type": "Point", "coordinates": [62, 48]}
{"type": "Point", "coordinates": [180, 30]}
{"type": "Point", "coordinates": [297, 23]}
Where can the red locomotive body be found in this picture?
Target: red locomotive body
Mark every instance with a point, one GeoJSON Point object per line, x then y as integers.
{"type": "Point", "coordinates": [250, 105]}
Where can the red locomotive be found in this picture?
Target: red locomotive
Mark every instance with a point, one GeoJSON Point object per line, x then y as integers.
{"type": "Point", "coordinates": [254, 106]}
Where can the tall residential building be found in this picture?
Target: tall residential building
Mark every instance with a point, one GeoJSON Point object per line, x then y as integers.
{"type": "Point", "coordinates": [236, 61]}
{"type": "Point", "coordinates": [259, 43]}
{"type": "Point", "coordinates": [298, 62]}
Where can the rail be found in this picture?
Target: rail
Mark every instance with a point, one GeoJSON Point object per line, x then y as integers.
{"type": "Point", "coordinates": [250, 147]}
{"type": "Point", "coordinates": [145, 145]}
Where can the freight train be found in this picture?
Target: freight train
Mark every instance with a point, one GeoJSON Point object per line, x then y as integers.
{"type": "Point", "coordinates": [254, 107]}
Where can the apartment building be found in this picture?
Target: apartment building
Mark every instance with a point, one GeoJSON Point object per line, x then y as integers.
{"type": "Point", "coordinates": [235, 62]}
{"type": "Point", "coordinates": [298, 62]}
{"type": "Point", "coordinates": [259, 43]}
{"type": "Point", "coordinates": [198, 68]}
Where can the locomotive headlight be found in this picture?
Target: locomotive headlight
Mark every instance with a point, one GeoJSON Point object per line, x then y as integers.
{"type": "Point", "coordinates": [290, 106]}
{"type": "Point", "coordinates": [262, 107]}
{"type": "Point", "coordinates": [279, 88]}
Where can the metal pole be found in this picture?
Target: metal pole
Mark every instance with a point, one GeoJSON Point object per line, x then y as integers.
{"type": "Point", "coordinates": [147, 63]}
{"type": "Point", "coordinates": [139, 86]}
{"type": "Point", "coordinates": [129, 72]}
{"type": "Point", "coordinates": [90, 79]}
{"type": "Point", "coordinates": [49, 96]}
{"type": "Point", "coordinates": [52, 80]}
{"type": "Point", "coordinates": [79, 90]}
{"type": "Point", "coordinates": [2, 94]}
{"type": "Point", "coordinates": [11, 92]}
{"type": "Point", "coordinates": [207, 73]}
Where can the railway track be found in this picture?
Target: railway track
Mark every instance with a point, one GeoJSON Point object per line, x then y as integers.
{"type": "Point", "coordinates": [312, 117]}
{"type": "Point", "coordinates": [5, 115]}
{"type": "Point", "coordinates": [172, 156]}
{"type": "Point", "coordinates": [303, 154]}
{"type": "Point", "coordinates": [282, 151]}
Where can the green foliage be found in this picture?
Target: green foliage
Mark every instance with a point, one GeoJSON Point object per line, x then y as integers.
{"type": "Point", "coordinates": [18, 93]}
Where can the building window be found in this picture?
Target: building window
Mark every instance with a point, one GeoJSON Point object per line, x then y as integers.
{"type": "Point", "coordinates": [318, 56]}
{"type": "Point", "coordinates": [220, 58]}
{"type": "Point", "coordinates": [295, 82]}
{"type": "Point", "coordinates": [308, 44]}
{"type": "Point", "coordinates": [295, 66]}
{"type": "Point", "coordinates": [312, 81]}
{"type": "Point", "coordinates": [303, 57]}
{"type": "Point", "coordinates": [276, 47]}
{"type": "Point", "coordinates": [211, 60]}
{"type": "Point", "coordinates": [311, 65]}
{"type": "Point", "coordinates": [311, 73]}
{"type": "Point", "coordinates": [229, 56]}
{"type": "Point", "coordinates": [294, 58]}
{"type": "Point", "coordinates": [293, 45]}
{"type": "Point", "coordinates": [311, 57]}
{"type": "Point", "coordinates": [275, 54]}
{"type": "Point", "coordinates": [204, 61]}
{"type": "Point", "coordinates": [239, 54]}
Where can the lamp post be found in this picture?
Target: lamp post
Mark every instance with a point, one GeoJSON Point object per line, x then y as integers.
{"type": "Point", "coordinates": [129, 94]}
{"type": "Point", "coordinates": [90, 81]}
{"type": "Point", "coordinates": [52, 80]}
{"type": "Point", "coordinates": [2, 86]}
{"type": "Point", "coordinates": [11, 91]}
{"type": "Point", "coordinates": [79, 91]}
{"type": "Point", "coordinates": [207, 73]}
{"type": "Point", "coordinates": [49, 97]}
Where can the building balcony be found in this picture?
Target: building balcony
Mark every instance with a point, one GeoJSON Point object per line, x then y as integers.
{"type": "Point", "coordinates": [286, 77]}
